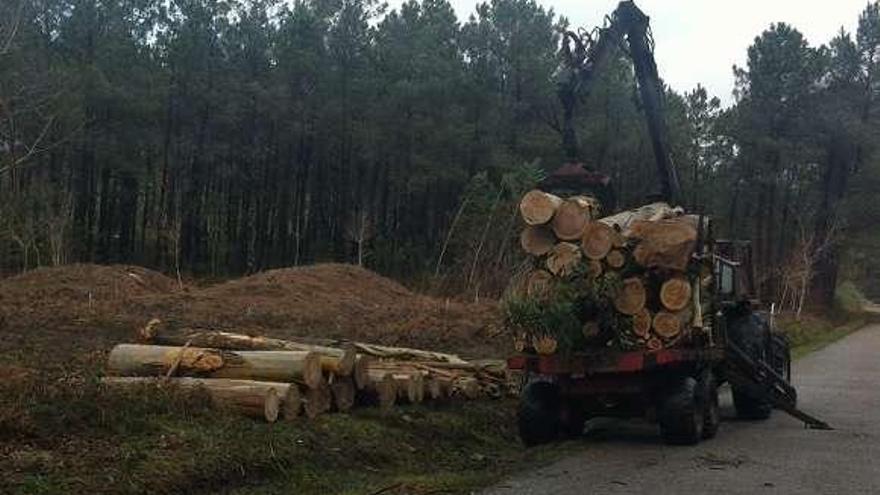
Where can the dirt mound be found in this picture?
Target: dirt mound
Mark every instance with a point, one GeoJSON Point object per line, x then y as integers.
{"type": "Point", "coordinates": [82, 283]}
{"type": "Point", "coordinates": [337, 301]}
{"type": "Point", "coordinates": [78, 309]}
{"type": "Point", "coordinates": [69, 310]}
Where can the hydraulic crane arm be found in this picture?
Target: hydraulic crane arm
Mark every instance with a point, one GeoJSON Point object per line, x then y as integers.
{"type": "Point", "coordinates": [584, 54]}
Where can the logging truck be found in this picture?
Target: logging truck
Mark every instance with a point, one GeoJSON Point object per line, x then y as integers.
{"type": "Point", "coordinates": [642, 313]}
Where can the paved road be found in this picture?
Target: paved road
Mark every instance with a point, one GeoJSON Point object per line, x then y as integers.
{"type": "Point", "coordinates": [840, 384]}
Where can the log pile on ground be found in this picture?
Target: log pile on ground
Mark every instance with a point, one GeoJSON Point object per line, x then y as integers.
{"type": "Point", "coordinates": [270, 378]}
{"type": "Point", "coordinates": [634, 280]}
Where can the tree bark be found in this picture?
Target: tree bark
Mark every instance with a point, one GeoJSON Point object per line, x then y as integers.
{"type": "Point", "coordinates": [263, 400]}
{"type": "Point", "coordinates": [281, 366]}
{"type": "Point", "coordinates": [339, 361]}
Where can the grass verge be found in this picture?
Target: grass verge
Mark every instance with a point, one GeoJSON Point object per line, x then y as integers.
{"type": "Point", "coordinates": [68, 434]}
{"type": "Point", "coordinates": [810, 333]}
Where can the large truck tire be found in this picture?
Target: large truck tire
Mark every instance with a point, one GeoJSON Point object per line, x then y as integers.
{"type": "Point", "coordinates": [711, 405]}
{"type": "Point", "coordinates": [538, 416]}
{"type": "Point", "coordinates": [573, 419]}
{"type": "Point", "coordinates": [751, 332]}
{"type": "Point", "coordinates": [681, 414]}
{"type": "Point", "coordinates": [748, 407]}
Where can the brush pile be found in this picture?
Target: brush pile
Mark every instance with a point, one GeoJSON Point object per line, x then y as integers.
{"type": "Point", "coordinates": [271, 378]}
{"type": "Point", "coordinates": [633, 280]}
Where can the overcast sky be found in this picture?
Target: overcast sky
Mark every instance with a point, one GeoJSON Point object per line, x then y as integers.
{"type": "Point", "coordinates": [698, 41]}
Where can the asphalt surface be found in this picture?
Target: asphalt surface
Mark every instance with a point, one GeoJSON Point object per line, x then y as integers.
{"type": "Point", "coordinates": [840, 384]}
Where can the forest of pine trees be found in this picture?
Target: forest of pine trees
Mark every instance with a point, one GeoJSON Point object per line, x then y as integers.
{"type": "Point", "coordinates": [221, 137]}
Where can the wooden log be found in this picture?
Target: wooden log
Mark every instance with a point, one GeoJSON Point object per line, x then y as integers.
{"type": "Point", "coordinates": [615, 259]}
{"type": "Point", "coordinates": [278, 366]}
{"type": "Point", "coordinates": [381, 391]}
{"type": "Point", "coordinates": [563, 259]}
{"type": "Point", "coordinates": [597, 240]}
{"type": "Point", "coordinates": [419, 380]}
{"type": "Point", "coordinates": [669, 325]}
{"type": "Point", "coordinates": [343, 390]}
{"type": "Point", "coordinates": [317, 400]}
{"type": "Point", "coordinates": [382, 351]}
{"type": "Point", "coordinates": [537, 207]}
{"type": "Point", "coordinates": [467, 387]}
{"type": "Point", "coordinates": [262, 400]}
{"type": "Point", "coordinates": [361, 373]}
{"type": "Point", "coordinates": [433, 389]}
{"type": "Point", "coordinates": [630, 299]}
{"type": "Point", "coordinates": [407, 387]}
{"type": "Point", "coordinates": [537, 240]}
{"type": "Point", "coordinates": [654, 344]}
{"type": "Point", "coordinates": [339, 361]}
{"type": "Point", "coordinates": [594, 268]}
{"type": "Point", "coordinates": [590, 330]}
{"type": "Point", "coordinates": [675, 293]}
{"type": "Point", "coordinates": [545, 344]}
{"type": "Point", "coordinates": [642, 322]}
{"type": "Point", "coordinates": [625, 219]}
{"type": "Point", "coordinates": [667, 244]}
{"type": "Point", "coordinates": [538, 283]}
{"type": "Point", "coordinates": [572, 217]}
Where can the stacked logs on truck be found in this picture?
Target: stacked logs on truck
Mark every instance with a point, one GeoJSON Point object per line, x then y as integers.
{"type": "Point", "coordinates": [274, 379]}
{"type": "Point", "coordinates": [633, 280]}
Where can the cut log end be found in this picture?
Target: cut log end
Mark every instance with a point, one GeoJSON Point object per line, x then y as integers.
{"type": "Point", "coordinates": [597, 240]}
{"type": "Point", "coordinates": [563, 259]}
{"type": "Point", "coordinates": [571, 218]}
{"type": "Point", "coordinates": [545, 344]}
{"type": "Point", "coordinates": [361, 373]}
{"type": "Point", "coordinates": [311, 371]}
{"type": "Point", "coordinates": [615, 259]}
{"type": "Point", "coordinates": [594, 268]}
{"type": "Point", "coordinates": [630, 300]}
{"type": "Point", "coordinates": [642, 323]}
{"type": "Point", "coordinates": [291, 403]}
{"type": "Point", "coordinates": [272, 406]}
{"type": "Point", "coordinates": [148, 334]}
{"type": "Point", "coordinates": [343, 390]}
{"type": "Point", "coordinates": [590, 330]}
{"type": "Point", "coordinates": [317, 400]}
{"type": "Point", "coordinates": [667, 325]}
{"type": "Point", "coordinates": [537, 207]}
{"type": "Point", "coordinates": [537, 240]}
{"type": "Point", "coordinates": [675, 294]}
